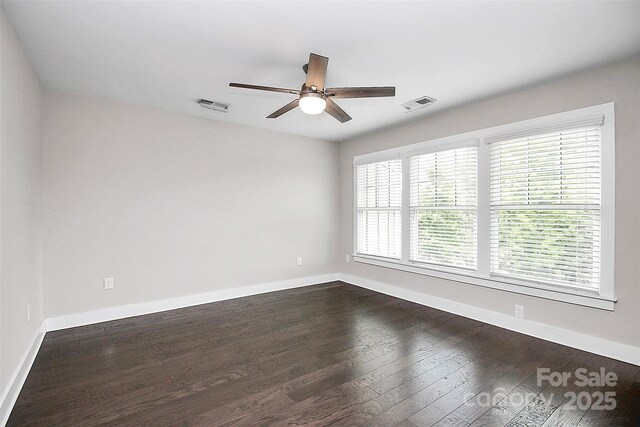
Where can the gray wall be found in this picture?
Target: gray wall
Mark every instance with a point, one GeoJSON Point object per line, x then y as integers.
{"type": "Point", "coordinates": [171, 205]}
{"type": "Point", "coordinates": [20, 203]}
{"type": "Point", "coordinates": [619, 83]}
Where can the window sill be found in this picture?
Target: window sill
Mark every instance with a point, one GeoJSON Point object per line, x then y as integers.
{"type": "Point", "coordinates": [569, 295]}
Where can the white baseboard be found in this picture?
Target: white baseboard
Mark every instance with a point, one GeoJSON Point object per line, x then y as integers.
{"type": "Point", "coordinates": [124, 311]}
{"type": "Point", "coordinates": [573, 339]}
{"type": "Point", "coordinates": [11, 392]}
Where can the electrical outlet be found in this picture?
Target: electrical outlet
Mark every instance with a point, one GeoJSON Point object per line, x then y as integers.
{"type": "Point", "coordinates": [519, 311]}
{"type": "Point", "coordinates": [347, 258]}
{"type": "Point", "coordinates": [28, 312]}
{"type": "Point", "coordinates": [108, 283]}
{"type": "Point", "coordinates": [299, 260]}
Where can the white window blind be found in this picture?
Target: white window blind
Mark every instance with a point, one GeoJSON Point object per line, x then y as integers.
{"type": "Point", "coordinates": [443, 207]}
{"type": "Point", "coordinates": [379, 205]}
{"type": "Point", "coordinates": [545, 206]}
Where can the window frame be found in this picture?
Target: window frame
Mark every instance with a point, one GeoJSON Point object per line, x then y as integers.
{"type": "Point", "coordinates": [409, 156]}
{"type": "Point", "coordinates": [602, 298]}
{"type": "Point", "coordinates": [357, 208]}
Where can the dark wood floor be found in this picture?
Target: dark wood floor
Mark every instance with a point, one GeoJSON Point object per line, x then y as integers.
{"type": "Point", "coordinates": [330, 354]}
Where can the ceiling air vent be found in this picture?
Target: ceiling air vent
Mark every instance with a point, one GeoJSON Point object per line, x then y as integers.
{"type": "Point", "coordinates": [417, 104]}
{"type": "Point", "coordinates": [214, 105]}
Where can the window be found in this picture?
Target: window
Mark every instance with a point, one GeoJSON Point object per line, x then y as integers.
{"type": "Point", "coordinates": [526, 207]}
{"type": "Point", "coordinates": [379, 204]}
{"type": "Point", "coordinates": [545, 207]}
{"type": "Point", "coordinates": [443, 207]}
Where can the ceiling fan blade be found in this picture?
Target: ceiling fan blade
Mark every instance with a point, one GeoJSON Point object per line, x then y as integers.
{"type": "Point", "coordinates": [361, 92]}
{"type": "Point", "coordinates": [290, 106]}
{"type": "Point", "coordinates": [267, 88]}
{"type": "Point", "coordinates": [316, 71]}
{"type": "Point", "coordinates": [337, 112]}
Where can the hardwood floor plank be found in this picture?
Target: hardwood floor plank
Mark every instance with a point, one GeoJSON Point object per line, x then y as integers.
{"type": "Point", "coordinates": [451, 421]}
{"type": "Point", "coordinates": [494, 417]}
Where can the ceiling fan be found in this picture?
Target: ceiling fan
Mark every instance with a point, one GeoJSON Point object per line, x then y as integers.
{"type": "Point", "coordinates": [314, 98]}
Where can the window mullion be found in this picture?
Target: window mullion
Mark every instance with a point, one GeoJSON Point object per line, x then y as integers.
{"type": "Point", "coordinates": [405, 212]}
{"type": "Point", "coordinates": [483, 203]}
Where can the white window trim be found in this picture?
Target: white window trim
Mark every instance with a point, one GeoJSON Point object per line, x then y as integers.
{"type": "Point", "coordinates": [604, 298]}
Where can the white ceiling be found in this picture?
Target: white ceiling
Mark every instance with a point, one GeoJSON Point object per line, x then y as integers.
{"type": "Point", "coordinates": [168, 54]}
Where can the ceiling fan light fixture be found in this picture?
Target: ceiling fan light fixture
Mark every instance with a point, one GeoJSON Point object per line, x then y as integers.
{"type": "Point", "coordinates": [312, 103]}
